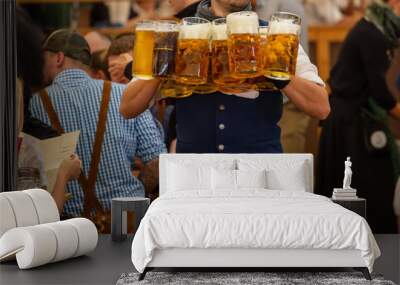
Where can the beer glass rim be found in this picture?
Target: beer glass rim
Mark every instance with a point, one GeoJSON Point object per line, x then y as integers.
{"type": "Point", "coordinates": [147, 24]}
{"type": "Point", "coordinates": [194, 21]}
{"type": "Point", "coordinates": [247, 13]}
{"type": "Point", "coordinates": [292, 15]}
{"type": "Point", "coordinates": [167, 25]}
{"type": "Point", "coordinates": [219, 21]}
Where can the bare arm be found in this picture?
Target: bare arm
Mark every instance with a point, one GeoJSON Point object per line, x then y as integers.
{"type": "Point", "coordinates": [69, 169]}
{"type": "Point", "coordinates": [395, 112]}
{"type": "Point", "coordinates": [309, 97]}
{"type": "Point", "coordinates": [137, 96]}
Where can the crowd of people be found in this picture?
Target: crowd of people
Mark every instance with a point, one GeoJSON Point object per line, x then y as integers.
{"type": "Point", "coordinates": [64, 86]}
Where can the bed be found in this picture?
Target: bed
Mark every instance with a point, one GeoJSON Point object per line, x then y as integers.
{"type": "Point", "coordinates": [247, 211]}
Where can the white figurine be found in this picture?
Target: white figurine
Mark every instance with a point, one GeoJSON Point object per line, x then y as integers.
{"type": "Point", "coordinates": [347, 174]}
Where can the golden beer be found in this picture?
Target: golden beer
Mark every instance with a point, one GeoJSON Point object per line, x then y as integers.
{"type": "Point", "coordinates": [244, 45]}
{"type": "Point", "coordinates": [143, 50]}
{"type": "Point", "coordinates": [209, 87]}
{"type": "Point", "coordinates": [192, 58]}
{"type": "Point", "coordinates": [173, 89]}
{"type": "Point", "coordinates": [219, 60]}
{"type": "Point", "coordinates": [282, 46]}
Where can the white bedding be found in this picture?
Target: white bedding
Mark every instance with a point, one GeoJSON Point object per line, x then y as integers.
{"type": "Point", "coordinates": [251, 218]}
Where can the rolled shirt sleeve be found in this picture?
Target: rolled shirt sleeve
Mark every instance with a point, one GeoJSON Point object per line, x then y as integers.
{"type": "Point", "coordinates": [306, 70]}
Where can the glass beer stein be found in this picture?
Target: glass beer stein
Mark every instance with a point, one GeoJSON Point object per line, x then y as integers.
{"type": "Point", "coordinates": [244, 45]}
{"type": "Point", "coordinates": [143, 50]}
{"type": "Point", "coordinates": [192, 58]}
{"type": "Point", "coordinates": [165, 45]}
{"type": "Point", "coordinates": [219, 60]}
{"type": "Point", "coordinates": [209, 87]}
{"type": "Point", "coordinates": [282, 46]}
{"type": "Point", "coordinates": [261, 83]}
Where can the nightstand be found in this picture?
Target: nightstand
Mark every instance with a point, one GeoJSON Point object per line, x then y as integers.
{"type": "Point", "coordinates": [358, 205]}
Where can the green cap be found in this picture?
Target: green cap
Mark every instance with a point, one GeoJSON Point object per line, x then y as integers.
{"type": "Point", "coordinates": [72, 44]}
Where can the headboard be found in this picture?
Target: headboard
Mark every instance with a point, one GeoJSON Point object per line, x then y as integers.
{"type": "Point", "coordinates": [165, 159]}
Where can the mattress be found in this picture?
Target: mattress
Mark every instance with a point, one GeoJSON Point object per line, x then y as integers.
{"type": "Point", "coordinates": [251, 219]}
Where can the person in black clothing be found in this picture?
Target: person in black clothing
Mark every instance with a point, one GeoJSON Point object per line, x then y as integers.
{"type": "Point", "coordinates": [360, 104]}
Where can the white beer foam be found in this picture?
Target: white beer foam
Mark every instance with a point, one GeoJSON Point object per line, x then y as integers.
{"type": "Point", "coordinates": [219, 32]}
{"type": "Point", "coordinates": [167, 27]}
{"type": "Point", "coordinates": [242, 23]}
{"type": "Point", "coordinates": [198, 31]}
{"type": "Point", "coordinates": [284, 27]}
{"type": "Point", "coordinates": [147, 26]}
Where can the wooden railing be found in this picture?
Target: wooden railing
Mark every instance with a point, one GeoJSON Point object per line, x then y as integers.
{"type": "Point", "coordinates": [324, 39]}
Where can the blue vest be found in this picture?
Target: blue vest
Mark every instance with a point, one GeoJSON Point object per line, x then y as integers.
{"type": "Point", "coordinates": [223, 123]}
{"type": "Point", "coordinates": [220, 123]}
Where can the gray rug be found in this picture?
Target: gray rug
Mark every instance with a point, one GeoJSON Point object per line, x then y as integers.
{"type": "Point", "coordinates": [243, 278]}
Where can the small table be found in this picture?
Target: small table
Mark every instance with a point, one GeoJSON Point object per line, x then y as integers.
{"type": "Point", "coordinates": [358, 205]}
{"type": "Point", "coordinates": [119, 207]}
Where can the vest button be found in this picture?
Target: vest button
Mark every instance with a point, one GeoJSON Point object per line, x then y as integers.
{"type": "Point", "coordinates": [221, 147]}
{"type": "Point", "coordinates": [221, 126]}
{"type": "Point", "coordinates": [221, 107]}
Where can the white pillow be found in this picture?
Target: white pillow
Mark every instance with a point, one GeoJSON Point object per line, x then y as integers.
{"type": "Point", "coordinates": [251, 179]}
{"type": "Point", "coordinates": [183, 177]}
{"type": "Point", "coordinates": [223, 179]}
{"type": "Point", "coordinates": [291, 179]}
{"type": "Point", "coordinates": [281, 174]}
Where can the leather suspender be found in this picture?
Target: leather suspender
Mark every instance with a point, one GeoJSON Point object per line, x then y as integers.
{"type": "Point", "coordinates": [87, 184]}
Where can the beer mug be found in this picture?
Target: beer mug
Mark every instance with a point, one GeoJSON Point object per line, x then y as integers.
{"type": "Point", "coordinates": [165, 44]}
{"type": "Point", "coordinates": [192, 58]}
{"type": "Point", "coordinates": [143, 50]}
{"type": "Point", "coordinates": [282, 46]}
{"type": "Point", "coordinates": [209, 87]}
{"type": "Point", "coordinates": [244, 45]}
{"type": "Point", "coordinates": [261, 83]}
{"type": "Point", "coordinates": [219, 60]}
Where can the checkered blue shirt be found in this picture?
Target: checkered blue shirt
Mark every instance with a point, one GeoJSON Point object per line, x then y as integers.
{"type": "Point", "coordinates": [76, 99]}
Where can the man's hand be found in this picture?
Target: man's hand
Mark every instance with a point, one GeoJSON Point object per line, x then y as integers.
{"type": "Point", "coordinates": [70, 168]}
{"type": "Point", "coordinates": [116, 67]}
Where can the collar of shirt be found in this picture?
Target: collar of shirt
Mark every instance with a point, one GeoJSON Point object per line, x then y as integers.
{"type": "Point", "coordinates": [71, 78]}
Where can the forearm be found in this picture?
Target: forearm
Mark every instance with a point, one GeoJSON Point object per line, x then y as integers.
{"type": "Point", "coordinates": [395, 112]}
{"type": "Point", "coordinates": [137, 96]}
{"type": "Point", "coordinates": [309, 97]}
{"type": "Point", "coordinates": [149, 176]}
{"type": "Point", "coordinates": [58, 193]}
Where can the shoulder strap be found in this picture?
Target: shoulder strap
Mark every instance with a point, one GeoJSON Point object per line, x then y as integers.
{"type": "Point", "coordinates": [95, 161]}
{"type": "Point", "coordinates": [48, 106]}
{"type": "Point", "coordinates": [87, 184]}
